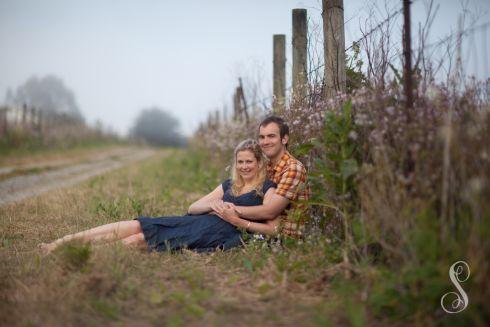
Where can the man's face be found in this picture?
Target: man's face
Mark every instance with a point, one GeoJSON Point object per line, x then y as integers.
{"type": "Point", "coordinates": [270, 140]}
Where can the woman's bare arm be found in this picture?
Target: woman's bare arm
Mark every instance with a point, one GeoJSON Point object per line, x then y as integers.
{"type": "Point", "coordinates": [203, 205]}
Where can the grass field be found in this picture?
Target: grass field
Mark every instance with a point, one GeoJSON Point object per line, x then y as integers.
{"type": "Point", "coordinates": [296, 283]}
{"type": "Point", "coordinates": [83, 285]}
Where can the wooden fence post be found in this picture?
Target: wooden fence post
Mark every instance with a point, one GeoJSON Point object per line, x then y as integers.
{"type": "Point", "coordinates": [236, 105]}
{"type": "Point", "coordinates": [334, 47]}
{"type": "Point", "coordinates": [33, 118]}
{"type": "Point", "coordinates": [225, 114]}
{"type": "Point", "coordinates": [279, 73]}
{"type": "Point", "coordinates": [217, 119]}
{"type": "Point", "coordinates": [40, 121]}
{"type": "Point", "coordinates": [407, 53]}
{"type": "Point", "coordinates": [209, 122]}
{"type": "Point", "coordinates": [240, 103]}
{"type": "Point", "coordinates": [3, 120]}
{"type": "Point", "coordinates": [243, 100]}
{"type": "Point", "coordinates": [300, 50]}
{"type": "Point", "coordinates": [24, 115]}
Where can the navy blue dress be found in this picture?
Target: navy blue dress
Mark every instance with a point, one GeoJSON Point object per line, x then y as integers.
{"type": "Point", "coordinates": [202, 233]}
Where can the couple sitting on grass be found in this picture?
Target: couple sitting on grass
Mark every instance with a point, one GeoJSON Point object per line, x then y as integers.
{"type": "Point", "coordinates": [254, 199]}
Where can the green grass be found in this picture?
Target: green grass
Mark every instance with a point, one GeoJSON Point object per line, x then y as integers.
{"type": "Point", "coordinates": [296, 283]}
{"type": "Point", "coordinates": [80, 284]}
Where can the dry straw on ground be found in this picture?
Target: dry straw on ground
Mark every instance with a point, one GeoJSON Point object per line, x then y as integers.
{"type": "Point", "coordinates": [83, 285]}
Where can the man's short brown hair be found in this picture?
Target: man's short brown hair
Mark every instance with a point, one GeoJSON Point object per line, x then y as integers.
{"type": "Point", "coordinates": [283, 127]}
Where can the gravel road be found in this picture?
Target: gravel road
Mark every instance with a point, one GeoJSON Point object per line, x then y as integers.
{"type": "Point", "coordinates": [21, 187]}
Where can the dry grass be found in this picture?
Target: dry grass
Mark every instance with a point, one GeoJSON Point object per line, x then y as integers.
{"type": "Point", "coordinates": [56, 155]}
{"type": "Point", "coordinates": [80, 285]}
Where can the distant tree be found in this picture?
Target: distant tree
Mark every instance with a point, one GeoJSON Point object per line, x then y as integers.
{"type": "Point", "coordinates": [48, 94]}
{"type": "Point", "coordinates": [158, 127]}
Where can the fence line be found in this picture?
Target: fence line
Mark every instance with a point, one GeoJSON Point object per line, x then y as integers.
{"type": "Point", "coordinates": [32, 120]}
{"type": "Point", "coordinates": [462, 33]}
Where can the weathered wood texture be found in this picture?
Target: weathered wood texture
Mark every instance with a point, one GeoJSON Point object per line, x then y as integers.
{"type": "Point", "coordinates": [300, 51]}
{"type": "Point", "coordinates": [279, 73]}
{"type": "Point", "coordinates": [334, 47]}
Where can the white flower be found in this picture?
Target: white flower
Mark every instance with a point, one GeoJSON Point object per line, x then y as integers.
{"type": "Point", "coordinates": [432, 92]}
{"type": "Point", "coordinates": [353, 135]}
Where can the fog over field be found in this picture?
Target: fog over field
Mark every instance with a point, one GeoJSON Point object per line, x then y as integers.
{"type": "Point", "coordinates": [119, 57]}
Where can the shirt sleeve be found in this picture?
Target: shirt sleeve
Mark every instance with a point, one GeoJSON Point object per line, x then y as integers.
{"type": "Point", "coordinates": [292, 179]}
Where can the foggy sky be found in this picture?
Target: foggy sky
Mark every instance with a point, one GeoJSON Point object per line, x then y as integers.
{"type": "Point", "coordinates": [184, 56]}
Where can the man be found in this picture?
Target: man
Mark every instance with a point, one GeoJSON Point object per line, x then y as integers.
{"type": "Point", "coordinates": [286, 171]}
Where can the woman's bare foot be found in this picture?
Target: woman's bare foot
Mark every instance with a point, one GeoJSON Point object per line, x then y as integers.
{"type": "Point", "coordinates": [46, 248]}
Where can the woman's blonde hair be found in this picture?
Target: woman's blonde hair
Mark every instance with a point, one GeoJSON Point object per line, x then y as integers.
{"type": "Point", "coordinates": [237, 182]}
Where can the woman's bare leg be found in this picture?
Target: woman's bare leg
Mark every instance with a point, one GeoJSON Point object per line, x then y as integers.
{"type": "Point", "coordinates": [137, 240]}
{"type": "Point", "coordinates": [109, 232]}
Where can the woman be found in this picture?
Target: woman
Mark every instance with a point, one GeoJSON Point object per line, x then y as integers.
{"type": "Point", "coordinates": [202, 229]}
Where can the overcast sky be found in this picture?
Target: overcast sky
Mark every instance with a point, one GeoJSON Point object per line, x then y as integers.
{"type": "Point", "coordinates": [182, 55]}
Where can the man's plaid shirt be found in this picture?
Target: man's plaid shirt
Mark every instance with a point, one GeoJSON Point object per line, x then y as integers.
{"type": "Point", "coordinates": [290, 176]}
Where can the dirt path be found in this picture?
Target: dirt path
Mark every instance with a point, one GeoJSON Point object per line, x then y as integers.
{"type": "Point", "coordinates": [65, 173]}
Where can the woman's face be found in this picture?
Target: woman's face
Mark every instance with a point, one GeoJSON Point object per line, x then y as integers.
{"type": "Point", "coordinates": [247, 165]}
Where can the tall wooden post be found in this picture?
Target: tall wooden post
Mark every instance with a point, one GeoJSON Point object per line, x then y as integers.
{"type": "Point", "coordinates": [279, 80]}
{"type": "Point", "coordinates": [217, 119]}
{"type": "Point", "coordinates": [409, 164]}
{"type": "Point", "coordinates": [300, 50]}
{"type": "Point", "coordinates": [3, 121]}
{"type": "Point", "coordinates": [407, 54]}
{"type": "Point", "coordinates": [210, 120]}
{"type": "Point", "coordinates": [236, 105]}
{"type": "Point", "coordinates": [32, 121]}
{"type": "Point", "coordinates": [40, 121]}
{"type": "Point", "coordinates": [334, 47]}
{"type": "Point", "coordinates": [240, 109]}
{"type": "Point", "coordinates": [24, 115]}
{"type": "Point", "coordinates": [244, 106]}
{"type": "Point", "coordinates": [459, 47]}
{"type": "Point", "coordinates": [225, 114]}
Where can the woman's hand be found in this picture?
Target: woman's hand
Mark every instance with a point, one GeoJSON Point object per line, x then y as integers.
{"type": "Point", "coordinates": [226, 211]}
{"type": "Point", "coordinates": [216, 205]}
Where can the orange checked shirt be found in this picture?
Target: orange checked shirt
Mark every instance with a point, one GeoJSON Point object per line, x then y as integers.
{"type": "Point", "coordinates": [290, 176]}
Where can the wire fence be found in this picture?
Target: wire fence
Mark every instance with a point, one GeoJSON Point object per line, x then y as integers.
{"type": "Point", "coordinates": [450, 41]}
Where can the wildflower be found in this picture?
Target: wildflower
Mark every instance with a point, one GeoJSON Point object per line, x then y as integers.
{"type": "Point", "coordinates": [361, 119]}
{"type": "Point", "coordinates": [432, 92]}
{"type": "Point", "coordinates": [376, 136]}
{"type": "Point", "coordinates": [353, 135]}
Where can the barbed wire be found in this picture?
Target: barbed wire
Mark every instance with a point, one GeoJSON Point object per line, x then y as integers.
{"type": "Point", "coordinates": [456, 34]}
{"type": "Point", "coordinates": [366, 35]}
{"type": "Point", "coordinates": [390, 17]}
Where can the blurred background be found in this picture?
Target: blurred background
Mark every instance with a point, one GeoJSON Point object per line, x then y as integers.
{"type": "Point", "coordinates": [102, 64]}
